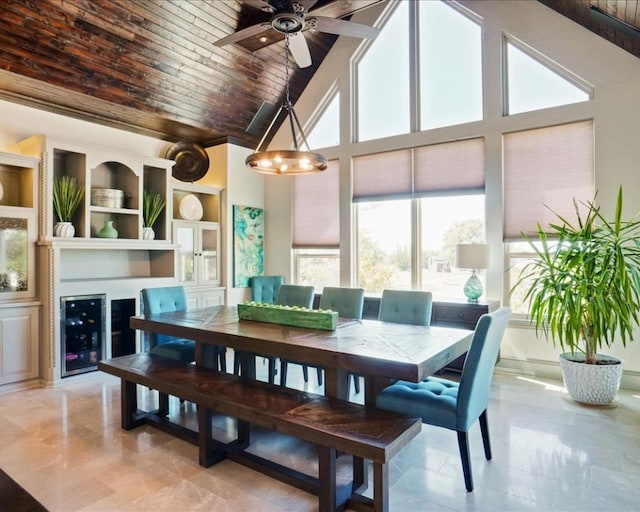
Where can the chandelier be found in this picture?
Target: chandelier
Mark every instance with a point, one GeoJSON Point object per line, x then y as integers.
{"type": "Point", "coordinates": [287, 161]}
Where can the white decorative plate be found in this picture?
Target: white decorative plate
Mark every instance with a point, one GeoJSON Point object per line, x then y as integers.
{"type": "Point", "coordinates": [190, 208]}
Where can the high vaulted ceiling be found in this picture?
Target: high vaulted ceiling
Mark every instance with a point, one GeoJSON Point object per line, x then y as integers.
{"type": "Point", "coordinates": [150, 66]}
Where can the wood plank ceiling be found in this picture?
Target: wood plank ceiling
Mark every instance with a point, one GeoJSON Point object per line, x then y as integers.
{"type": "Point", "coordinates": [150, 66]}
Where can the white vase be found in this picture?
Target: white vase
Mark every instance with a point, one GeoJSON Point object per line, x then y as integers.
{"type": "Point", "coordinates": [591, 383]}
{"type": "Point", "coordinates": [64, 230]}
{"type": "Point", "coordinates": [148, 233]}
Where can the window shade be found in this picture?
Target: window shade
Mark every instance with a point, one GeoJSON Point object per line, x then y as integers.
{"type": "Point", "coordinates": [316, 209]}
{"type": "Point", "coordinates": [546, 168]}
{"type": "Point", "coordinates": [452, 166]}
{"type": "Point", "coordinates": [382, 175]}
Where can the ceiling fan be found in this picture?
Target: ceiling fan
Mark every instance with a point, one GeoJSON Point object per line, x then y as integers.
{"type": "Point", "coordinates": [290, 18]}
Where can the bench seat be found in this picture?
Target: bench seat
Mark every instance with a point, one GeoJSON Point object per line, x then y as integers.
{"type": "Point", "coordinates": [331, 424]}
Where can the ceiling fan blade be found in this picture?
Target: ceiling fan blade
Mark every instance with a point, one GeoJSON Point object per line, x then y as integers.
{"type": "Point", "coordinates": [245, 33]}
{"type": "Point", "coordinates": [257, 4]}
{"type": "Point", "coordinates": [299, 49]}
{"type": "Point", "coordinates": [342, 27]}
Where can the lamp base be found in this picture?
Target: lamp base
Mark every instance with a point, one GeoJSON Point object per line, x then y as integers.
{"type": "Point", "coordinates": [473, 288]}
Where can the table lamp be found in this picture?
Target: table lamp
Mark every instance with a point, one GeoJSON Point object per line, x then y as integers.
{"type": "Point", "coordinates": [474, 257]}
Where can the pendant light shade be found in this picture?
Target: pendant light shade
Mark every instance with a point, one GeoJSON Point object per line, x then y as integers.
{"type": "Point", "coordinates": [287, 161]}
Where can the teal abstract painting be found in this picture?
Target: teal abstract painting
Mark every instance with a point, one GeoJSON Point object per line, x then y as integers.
{"type": "Point", "coordinates": [248, 244]}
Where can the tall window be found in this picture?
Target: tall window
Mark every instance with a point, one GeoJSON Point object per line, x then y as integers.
{"type": "Point", "coordinates": [383, 80]}
{"type": "Point", "coordinates": [316, 228]}
{"type": "Point", "coordinates": [533, 84]}
{"type": "Point", "coordinates": [326, 131]}
{"type": "Point", "coordinates": [545, 169]}
{"type": "Point", "coordinates": [413, 206]}
{"type": "Point", "coordinates": [450, 66]}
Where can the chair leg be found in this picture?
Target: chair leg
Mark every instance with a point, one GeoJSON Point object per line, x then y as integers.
{"type": "Point", "coordinates": [484, 429]}
{"type": "Point", "coordinates": [236, 363]}
{"type": "Point", "coordinates": [284, 367]}
{"type": "Point", "coordinates": [319, 370]}
{"type": "Point", "coordinates": [272, 369]}
{"type": "Point", "coordinates": [463, 444]}
{"type": "Point", "coordinates": [356, 382]}
{"type": "Point", "coordinates": [222, 356]}
{"type": "Point", "coordinates": [305, 372]}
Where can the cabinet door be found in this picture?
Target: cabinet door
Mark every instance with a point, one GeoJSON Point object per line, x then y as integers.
{"type": "Point", "coordinates": [208, 255]}
{"type": "Point", "coordinates": [19, 344]}
{"type": "Point", "coordinates": [185, 236]}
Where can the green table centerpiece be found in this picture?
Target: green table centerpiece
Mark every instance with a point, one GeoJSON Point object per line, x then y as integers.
{"type": "Point", "coordinates": [295, 316]}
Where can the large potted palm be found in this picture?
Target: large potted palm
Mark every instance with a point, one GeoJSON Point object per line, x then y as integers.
{"type": "Point", "coordinates": [583, 292]}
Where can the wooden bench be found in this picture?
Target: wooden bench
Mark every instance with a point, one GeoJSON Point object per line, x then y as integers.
{"type": "Point", "coordinates": [333, 425]}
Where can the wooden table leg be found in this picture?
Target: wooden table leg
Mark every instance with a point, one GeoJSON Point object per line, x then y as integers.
{"type": "Point", "coordinates": [205, 432]}
{"type": "Point", "coordinates": [327, 479]}
{"type": "Point", "coordinates": [380, 487]}
{"type": "Point", "coordinates": [336, 383]}
{"type": "Point", "coordinates": [128, 404]}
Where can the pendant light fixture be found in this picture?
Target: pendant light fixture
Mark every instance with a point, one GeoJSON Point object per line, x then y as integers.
{"type": "Point", "coordinates": [287, 161]}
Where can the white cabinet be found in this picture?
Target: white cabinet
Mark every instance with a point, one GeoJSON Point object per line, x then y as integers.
{"type": "Point", "coordinates": [19, 344]}
{"type": "Point", "coordinates": [204, 299]}
{"type": "Point", "coordinates": [19, 313]}
{"type": "Point", "coordinates": [197, 262]}
{"type": "Point", "coordinates": [196, 235]}
{"type": "Point", "coordinates": [102, 169]}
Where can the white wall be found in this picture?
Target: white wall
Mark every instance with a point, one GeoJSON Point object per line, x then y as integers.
{"type": "Point", "coordinates": [241, 187]}
{"type": "Point", "coordinates": [615, 76]}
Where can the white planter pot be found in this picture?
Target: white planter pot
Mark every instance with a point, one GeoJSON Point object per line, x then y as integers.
{"type": "Point", "coordinates": [148, 233]}
{"type": "Point", "coordinates": [64, 230]}
{"type": "Point", "coordinates": [591, 383]}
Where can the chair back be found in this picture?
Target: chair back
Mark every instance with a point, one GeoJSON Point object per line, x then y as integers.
{"type": "Point", "coordinates": [405, 307]}
{"type": "Point", "coordinates": [295, 295]}
{"type": "Point", "coordinates": [265, 288]}
{"type": "Point", "coordinates": [162, 300]}
{"type": "Point", "coordinates": [477, 372]}
{"type": "Point", "coordinates": [348, 302]}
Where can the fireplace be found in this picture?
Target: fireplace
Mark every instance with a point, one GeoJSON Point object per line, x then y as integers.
{"type": "Point", "coordinates": [82, 332]}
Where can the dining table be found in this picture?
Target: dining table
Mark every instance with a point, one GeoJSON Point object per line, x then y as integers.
{"type": "Point", "coordinates": [381, 352]}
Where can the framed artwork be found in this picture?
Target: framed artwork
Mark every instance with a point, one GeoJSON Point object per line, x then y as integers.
{"type": "Point", "coordinates": [248, 244]}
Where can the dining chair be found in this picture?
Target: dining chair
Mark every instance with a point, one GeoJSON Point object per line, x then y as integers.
{"type": "Point", "coordinates": [452, 405]}
{"type": "Point", "coordinates": [405, 307]}
{"type": "Point", "coordinates": [348, 303]}
{"type": "Point", "coordinates": [294, 295]}
{"type": "Point", "coordinates": [264, 289]}
{"type": "Point", "coordinates": [168, 299]}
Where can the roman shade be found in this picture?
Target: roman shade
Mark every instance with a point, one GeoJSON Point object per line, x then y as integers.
{"type": "Point", "coordinates": [316, 207]}
{"type": "Point", "coordinates": [544, 170]}
{"type": "Point", "coordinates": [423, 171]}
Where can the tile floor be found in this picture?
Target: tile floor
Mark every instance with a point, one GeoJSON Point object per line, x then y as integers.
{"type": "Point", "coordinates": [65, 446]}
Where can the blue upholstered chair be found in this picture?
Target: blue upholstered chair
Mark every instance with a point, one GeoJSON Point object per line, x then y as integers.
{"type": "Point", "coordinates": [348, 303]}
{"type": "Point", "coordinates": [294, 295]}
{"type": "Point", "coordinates": [164, 300]}
{"type": "Point", "coordinates": [264, 289]}
{"type": "Point", "coordinates": [405, 307]}
{"type": "Point", "coordinates": [453, 405]}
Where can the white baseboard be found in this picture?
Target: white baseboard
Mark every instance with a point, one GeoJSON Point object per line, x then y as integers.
{"type": "Point", "coordinates": [551, 370]}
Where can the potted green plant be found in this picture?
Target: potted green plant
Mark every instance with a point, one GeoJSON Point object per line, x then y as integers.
{"type": "Point", "coordinates": [583, 291]}
{"type": "Point", "coordinates": [152, 206]}
{"type": "Point", "coordinates": [67, 196]}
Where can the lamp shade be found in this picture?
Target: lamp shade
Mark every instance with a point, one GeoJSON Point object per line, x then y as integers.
{"type": "Point", "coordinates": [473, 256]}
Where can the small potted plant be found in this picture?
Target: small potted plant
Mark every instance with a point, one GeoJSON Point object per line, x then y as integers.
{"type": "Point", "coordinates": [152, 206]}
{"type": "Point", "coordinates": [583, 291]}
{"type": "Point", "coordinates": [67, 196]}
